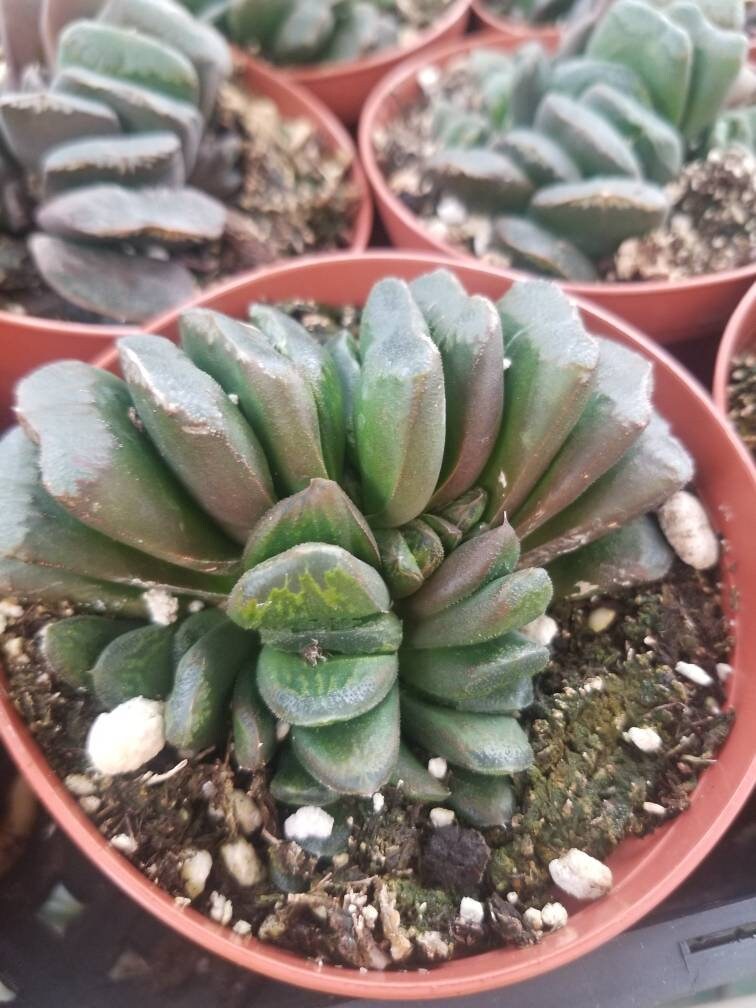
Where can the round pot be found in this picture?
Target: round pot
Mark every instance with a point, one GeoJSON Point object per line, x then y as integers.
{"type": "Point", "coordinates": [18, 814]}
{"type": "Point", "coordinates": [344, 87]}
{"type": "Point", "coordinates": [645, 870]}
{"type": "Point", "coordinates": [516, 30]}
{"type": "Point", "coordinates": [739, 335]}
{"type": "Point", "coordinates": [27, 341]}
{"type": "Point", "coordinates": [668, 311]}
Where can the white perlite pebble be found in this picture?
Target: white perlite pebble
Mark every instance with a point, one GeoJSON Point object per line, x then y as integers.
{"type": "Point", "coordinates": [441, 817]}
{"type": "Point", "coordinates": [451, 211]}
{"type": "Point", "coordinates": [581, 875]}
{"type": "Point", "coordinates": [243, 862]}
{"type": "Point", "coordinates": [694, 673]}
{"type": "Point", "coordinates": [433, 946]}
{"type": "Point", "coordinates": [221, 909]}
{"type": "Point", "coordinates": [601, 618]}
{"type": "Point", "coordinates": [195, 868]}
{"type": "Point", "coordinates": [541, 631]}
{"type": "Point", "coordinates": [532, 919]}
{"type": "Point", "coordinates": [645, 739]}
{"type": "Point", "coordinates": [124, 843]}
{"type": "Point", "coordinates": [11, 610]}
{"type": "Point", "coordinates": [309, 821]}
{"type": "Point", "coordinates": [554, 916]}
{"type": "Point", "coordinates": [80, 785]}
{"type": "Point", "coordinates": [437, 767]}
{"type": "Point", "coordinates": [653, 809]}
{"type": "Point", "coordinates": [471, 911]}
{"type": "Point", "coordinates": [428, 78]}
{"type": "Point", "coordinates": [161, 605]}
{"type": "Point", "coordinates": [378, 802]}
{"type": "Point", "coordinates": [246, 812]}
{"type": "Point", "coordinates": [723, 670]}
{"type": "Point", "coordinates": [90, 803]}
{"type": "Point", "coordinates": [512, 898]}
{"type": "Point", "coordinates": [127, 737]}
{"type": "Point", "coordinates": [688, 530]}
{"type": "Point", "coordinates": [242, 928]}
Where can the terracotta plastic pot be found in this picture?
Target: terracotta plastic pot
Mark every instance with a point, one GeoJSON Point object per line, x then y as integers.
{"type": "Point", "coordinates": [516, 30]}
{"type": "Point", "coordinates": [26, 341]}
{"type": "Point", "coordinates": [670, 312]}
{"type": "Point", "coordinates": [344, 87]}
{"type": "Point", "coordinates": [739, 335]}
{"type": "Point", "coordinates": [646, 870]}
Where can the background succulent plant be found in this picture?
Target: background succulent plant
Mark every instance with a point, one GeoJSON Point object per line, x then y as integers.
{"type": "Point", "coordinates": [570, 155]}
{"type": "Point", "coordinates": [319, 531]}
{"type": "Point", "coordinates": [102, 120]}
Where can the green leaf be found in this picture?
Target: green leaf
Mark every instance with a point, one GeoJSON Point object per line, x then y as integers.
{"type": "Point", "coordinates": [375, 635]}
{"type": "Point", "coordinates": [292, 785]}
{"type": "Point", "coordinates": [530, 80]}
{"type": "Point", "coordinates": [553, 362]}
{"type": "Point", "coordinates": [137, 663]}
{"type": "Point", "coordinates": [70, 647]}
{"type": "Point", "coordinates": [467, 510]}
{"type": "Point", "coordinates": [414, 781]}
{"type": "Point", "coordinates": [312, 586]}
{"type": "Point", "coordinates": [105, 472]}
{"type": "Point", "coordinates": [542, 160]}
{"type": "Point", "coordinates": [304, 33]}
{"type": "Point", "coordinates": [353, 757]}
{"type": "Point", "coordinates": [425, 546]}
{"type": "Point", "coordinates": [482, 801]}
{"type": "Point", "coordinates": [484, 743]}
{"type": "Point", "coordinates": [398, 565]}
{"type": "Point", "coordinates": [253, 727]}
{"type": "Point", "coordinates": [503, 605]}
{"type": "Point", "coordinates": [337, 689]}
{"type": "Point", "coordinates": [400, 408]}
{"type": "Point", "coordinates": [539, 251]}
{"type": "Point", "coordinates": [321, 513]}
{"type": "Point", "coordinates": [31, 583]}
{"type": "Point", "coordinates": [189, 631]}
{"type": "Point", "coordinates": [252, 21]}
{"type": "Point", "coordinates": [151, 159]}
{"type": "Point", "coordinates": [482, 178]}
{"type": "Point", "coordinates": [574, 77]}
{"type": "Point", "coordinates": [449, 534]}
{"type": "Point", "coordinates": [343, 350]}
{"type": "Point", "coordinates": [592, 143]}
{"type": "Point", "coordinates": [272, 394]}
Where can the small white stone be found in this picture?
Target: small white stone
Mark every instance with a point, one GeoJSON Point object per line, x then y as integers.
{"type": "Point", "coordinates": [451, 211]}
{"type": "Point", "coordinates": [195, 868]}
{"type": "Point", "coordinates": [14, 648]}
{"type": "Point", "coordinates": [124, 739]}
{"type": "Point", "coordinates": [246, 812]}
{"type": "Point", "coordinates": [162, 607]}
{"type": "Point", "coordinates": [80, 785]}
{"type": "Point", "coordinates": [554, 916]}
{"type": "Point", "coordinates": [645, 739]}
{"type": "Point", "coordinates": [686, 525]}
{"type": "Point", "coordinates": [378, 802]}
{"type": "Point", "coordinates": [532, 919]}
{"type": "Point", "coordinates": [196, 605]}
{"type": "Point", "coordinates": [593, 685]}
{"type": "Point", "coordinates": [601, 618]}
{"type": "Point", "coordinates": [428, 78]}
{"type": "Point", "coordinates": [437, 767]}
{"type": "Point", "coordinates": [310, 821]}
{"type": "Point", "coordinates": [242, 861]}
{"type": "Point", "coordinates": [221, 909]}
{"type": "Point", "coordinates": [370, 913]}
{"type": "Point", "coordinates": [512, 898]}
{"type": "Point", "coordinates": [581, 875]}
{"type": "Point", "coordinates": [433, 946]}
{"type": "Point", "coordinates": [182, 902]}
{"type": "Point", "coordinates": [694, 673]}
{"type": "Point", "coordinates": [653, 809]}
{"type": "Point", "coordinates": [90, 803]}
{"type": "Point", "coordinates": [340, 860]}
{"type": "Point", "coordinates": [282, 730]}
{"type": "Point", "coordinates": [234, 398]}
{"type": "Point", "coordinates": [243, 928]}
{"type": "Point", "coordinates": [11, 610]}
{"type": "Point", "coordinates": [724, 671]}
{"type": "Point", "coordinates": [541, 631]}
{"type": "Point", "coordinates": [441, 817]}
{"type": "Point", "coordinates": [124, 843]}
{"type": "Point", "coordinates": [471, 911]}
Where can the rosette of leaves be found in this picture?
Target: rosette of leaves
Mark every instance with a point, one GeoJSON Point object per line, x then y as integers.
{"type": "Point", "coordinates": [102, 119]}
{"type": "Point", "coordinates": [329, 519]}
{"type": "Point", "coordinates": [570, 155]}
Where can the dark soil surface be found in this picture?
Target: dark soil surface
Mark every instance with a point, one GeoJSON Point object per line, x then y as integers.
{"type": "Point", "coordinates": [742, 398]}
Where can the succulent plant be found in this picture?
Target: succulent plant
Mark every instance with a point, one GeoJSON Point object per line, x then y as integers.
{"type": "Point", "coordinates": [327, 533]}
{"type": "Point", "coordinates": [570, 155]}
{"type": "Point", "coordinates": [102, 119]}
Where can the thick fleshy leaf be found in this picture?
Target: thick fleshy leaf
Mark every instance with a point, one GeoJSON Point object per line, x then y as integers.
{"type": "Point", "coordinates": [252, 21]}
{"type": "Point", "coordinates": [553, 359]}
{"type": "Point", "coordinates": [192, 628]}
{"type": "Point", "coordinates": [337, 689]}
{"type": "Point", "coordinates": [362, 29]}
{"type": "Point", "coordinates": [147, 159]}
{"type": "Point", "coordinates": [542, 160]}
{"type": "Point", "coordinates": [648, 473]}
{"type": "Point", "coordinates": [538, 250]}
{"type": "Point", "coordinates": [70, 647]}
{"type": "Point", "coordinates": [529, 83]}
{"type": "Point", "coordinates": [130, 56]}
{"type": "Point", "coordinates": [600, 213]}
{"type": "Point", "coordinates": [467, 510]}
{"type": "Point", "coordinates": [120, 287]}
{"type": "Point", "coordinates": [459, 676]}
{"type": "Point", "coordinates": [635, 554]}
{"type": "Point", "coordinates": [353, 757]}
{"type": "Point", "coordinates": [424, 545]}
{"type": "Point", "coordinates": [56, 14]}
{"type": "Point", "coordinates": [484, 743]}
{"type": "Point", "coordinates": [105, 472]}
{"type": "Point", "coordinates": [482, 801]}
{"type": "Point", "coordinates": [200, 434]}
{"type": "Point", "coordinates": [320, 513]}
{"type": "Point", "coordinates": [137, 663]}
{"type": "Point", "coordinates": [618, 409]}
{"type": "Point", "coordinates": [502, 605]}
{"type": "Point", "coordinates": [197, 709]}
{"type": "Point", "coordinates": [313, 586]}
{"type": "Point", "coordinates": [293, 785]}
{"type": "Point", "coordinates": [343, 350]}
{"type": "Point", "coordinates": [31, 583]}
{"type": "Point", "coordinates": [375, 635]}
{"type": "Point", "coordinates": [400, 409]}
{"type": "Point", "coordinates": [414, 781]}
{"type": "Point", "coordinates": [304, 32]}
{"type": "Point", "coordinates": [471, 566]}
{"type": "Point", "coordinates": [253, 726]}
{"type": "Point", "coordinates": [449, 534]}
{"type": "Point", "coordinates": [484, 179]}
{"type": "Point", "coordinates": [272, 393]}
{"type": "Point", "coordinates": [467, 332]}
{"type": "Point", "coordinates": [34, 122]}
{"type": "Point", "coordinates": [575, 76]}
{"type": "Point", "coordinates": [646, 40]}
{"type": "Point", "coordinates": [398, 565]}
{"type": "Point", "coordinates": [138, 108]}
{"type": "Point", "coordinates": [593, 144]}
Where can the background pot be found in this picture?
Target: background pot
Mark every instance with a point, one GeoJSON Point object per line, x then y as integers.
{"type": "Point", "coordinates": [739, 335]}
{"type": "Point", "coordinates": [516, 30]}
{"type": "Point", "coordinates": [669, 312]}
{"type": "Point", "coordinates": [646, 870]}
{"type": "Point", "coordinates": [26, 341]}
{"type": "Point", "coordinates": [344, 87]}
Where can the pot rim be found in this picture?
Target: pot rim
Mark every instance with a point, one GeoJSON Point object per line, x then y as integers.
{"type": "Point", "coordinates": [278, 88]}
{"type": "Point", "coordinates": [464, 976]}
{"type": "Point", "coordinates": [440, 55]}
{"type": "Point", "coordinates": [740, 331]}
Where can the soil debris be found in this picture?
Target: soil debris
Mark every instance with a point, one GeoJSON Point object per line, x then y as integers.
{"type": "Point", "coordinates": [742, 398]}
